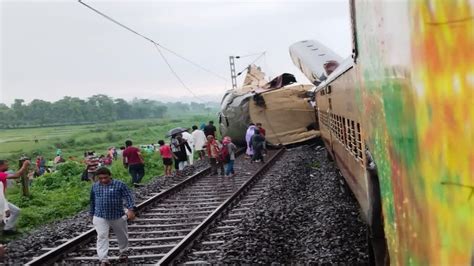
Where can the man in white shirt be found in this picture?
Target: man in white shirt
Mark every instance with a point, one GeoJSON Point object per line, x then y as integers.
{"type": "Point", "coordinates": [199, 141]}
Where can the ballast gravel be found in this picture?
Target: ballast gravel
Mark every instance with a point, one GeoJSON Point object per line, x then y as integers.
{"type": "Point", "coordinates": [306, 216]}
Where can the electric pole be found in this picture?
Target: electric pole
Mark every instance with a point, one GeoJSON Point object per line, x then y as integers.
{"type": "Point", "coordinates": [233, 76]}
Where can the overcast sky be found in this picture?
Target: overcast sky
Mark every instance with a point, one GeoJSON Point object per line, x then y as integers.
{"type": "Point", "coordinates": [52, 49]}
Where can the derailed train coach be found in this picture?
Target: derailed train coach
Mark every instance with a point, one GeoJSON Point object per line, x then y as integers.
{"type": "Point", "coordinates": [284, 107]}
{"type": "Point", "coordinates": [397, 118]}
{"type": "Point", "coordinates": [281, 105]}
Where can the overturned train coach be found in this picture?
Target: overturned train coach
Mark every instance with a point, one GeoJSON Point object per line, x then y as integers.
{"type": "Point", "coordinates": [397, 117]}
{"type": "Point", "coordinates": [285, 108]}
{"type": "Point", "coordinates": [281, 105]}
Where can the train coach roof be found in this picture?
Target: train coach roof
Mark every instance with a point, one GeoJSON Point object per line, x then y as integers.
{"type": "Point", "coordinates": [345, 65]}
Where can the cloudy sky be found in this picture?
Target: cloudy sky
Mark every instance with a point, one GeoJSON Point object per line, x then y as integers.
{"type": "Point", "coordinates": [51, 49]}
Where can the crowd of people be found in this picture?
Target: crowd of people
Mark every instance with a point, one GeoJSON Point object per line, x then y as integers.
{"type": "Point", "coordinates": [108, 195]}
{"type": "Point", "coordinates": [107, 207]}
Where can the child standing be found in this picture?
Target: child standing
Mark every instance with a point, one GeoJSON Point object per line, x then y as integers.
{"type": "Point", "coordinates": [167, 156]}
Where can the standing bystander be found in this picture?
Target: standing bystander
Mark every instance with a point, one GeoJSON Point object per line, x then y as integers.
{"type": "Point", "coordinates": [263, 132]}
{"type": "Point", "coordinates": [14, 211]}
{"type": "Point", "coordinates": [107, 210]}
{"type": "Point", "coordinates": [183, 148]}
{"type": "Point", "coordinates": [213, 151]}
{"type": "Point", "coordinates": [210, 129]}
{"type": "Point", "coordinates": [133, 160]}
{"type": "Point", "coordinates": [248, 139]}
{"type": "Point", "coordinates": [199, 139]}
{"type": "Point", "coordinates": [231, 149]}
{"type": "Point", "coordinates": [189, 152]}
{"type": "Point", "coordinates": [4, 213]}
{"type": "Point", "coordinates": [92, 163]}
{"type": "Point", "coordinates": [257, 146]}
{"type": "Point", "coordinates": [167, 156]}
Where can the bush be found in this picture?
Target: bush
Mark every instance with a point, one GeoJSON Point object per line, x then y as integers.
{"type": "Point", "coordinates": [70, 142]}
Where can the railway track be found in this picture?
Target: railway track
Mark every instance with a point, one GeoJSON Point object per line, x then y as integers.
{"type": "Point", "coordinates": [168, 223]}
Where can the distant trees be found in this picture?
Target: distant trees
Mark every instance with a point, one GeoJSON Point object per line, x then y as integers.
{"type": "Point", "coordinates": [97, 108]}
{"type": "Point", "coordinates": [72, 110]}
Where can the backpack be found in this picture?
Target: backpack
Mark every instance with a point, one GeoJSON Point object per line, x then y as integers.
{"type": "Point", "coordinates": [224, 155]}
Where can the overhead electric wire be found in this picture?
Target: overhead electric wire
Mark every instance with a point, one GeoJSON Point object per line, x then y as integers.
{"type": "Point", "coordinates": [191, 62]}
{"type": "Point", "coordinates": [156, 44]}
{"type": "Point", "coordinates": [262, 54]}
{"type": "Point", "coordinates": [174, 72]}
{"type": "Point", "coordinates": [248, 55]}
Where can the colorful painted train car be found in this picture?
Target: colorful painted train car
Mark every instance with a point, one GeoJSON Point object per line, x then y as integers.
{"type": "Point", "coordinates": [398, 119]}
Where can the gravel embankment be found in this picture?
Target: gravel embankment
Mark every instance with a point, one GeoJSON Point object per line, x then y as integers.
{"type": "Point", "coordinates": [24, 249]}
{"type": "Point", "coordinates": [306, 216]}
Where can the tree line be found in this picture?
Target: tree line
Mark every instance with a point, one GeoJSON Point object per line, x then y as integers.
{"type": "Point", "coordinates": [97, 108]}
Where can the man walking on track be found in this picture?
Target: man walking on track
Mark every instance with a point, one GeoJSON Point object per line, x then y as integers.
{"type": "Point", "coordinates": [107, 211]}
{"type": "Point", "coordinates": [210, 129]}
{"type": "Point", "coordinates": [132, 158]}
{"type": "Point", "coordinates": [199, 141]}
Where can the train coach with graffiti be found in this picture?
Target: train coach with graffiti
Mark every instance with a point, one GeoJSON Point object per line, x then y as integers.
{"type": "Point", "coordinates": [398, 119]}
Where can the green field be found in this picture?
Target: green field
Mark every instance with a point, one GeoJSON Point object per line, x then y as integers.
{"type": "Point", "coordinates": [61, 194]}
{"type": "Point", "coordinates": [74, 140]}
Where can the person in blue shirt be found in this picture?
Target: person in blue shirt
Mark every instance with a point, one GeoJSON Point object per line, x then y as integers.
{"type": "Point", "coordinates": [107, 210]}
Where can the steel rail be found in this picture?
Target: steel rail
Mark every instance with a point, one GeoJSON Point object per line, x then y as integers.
{"type": "Point", "coordinates": [55, 254]}
{"type": "Point", "coordinates": [174, 254]}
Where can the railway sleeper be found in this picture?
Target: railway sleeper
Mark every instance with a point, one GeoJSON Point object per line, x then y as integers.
{"type": "Point", "coordinates": [213, 205]}
{"type": "Point", "coordinates": [170, 220]}
{"type": "Point", "coordinates": [214, 199]}
{"type": "Point", "coordinates": [136, 248]}
{"type": "Point", "coordinates": [184, 209]}
{"type": "Point", "coordinates": [131, 257]}
{"type": "Point", "coordinates": [168, 233]}
{"type": "Point", "coordinates": [179, 225]}
{"type": "Point", "coordinates": [159, 214]}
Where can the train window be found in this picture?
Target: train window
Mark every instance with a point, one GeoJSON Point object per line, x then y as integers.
{"type": "Point", "coordinates": [349, 135]}
{"type": "Point", "coordinates": [338, 128]}
{"type": "Point", "coordinates": [227, 121]}
{"type": "Point", "coordinates": [324, 118]}
{"type": "Point", "coordinates": [359, 143]}
{"type": "Point", "coordinates": [220, 118]}
{"type": "Point", "coordinates": [354, 142]}
{"type": "Point", "coordinates": [344, 139]}
{"type": "Point", "coordinates": [331, 122]}
{"type": "Point", "coordinates": [341, 130]}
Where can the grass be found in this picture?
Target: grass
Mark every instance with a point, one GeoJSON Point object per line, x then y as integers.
{"type": "Point", "coordinates": [314, 165]}
{"type": "Point", "coordinates": [74, 140]}
{"type": "Point", "coordinates": [62, 194]}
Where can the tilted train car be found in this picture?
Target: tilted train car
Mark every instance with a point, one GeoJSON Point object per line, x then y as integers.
{"type": "Point", "coordinates": [398, 119]}
{"type": "Point", "coordinates": [281, 105]}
